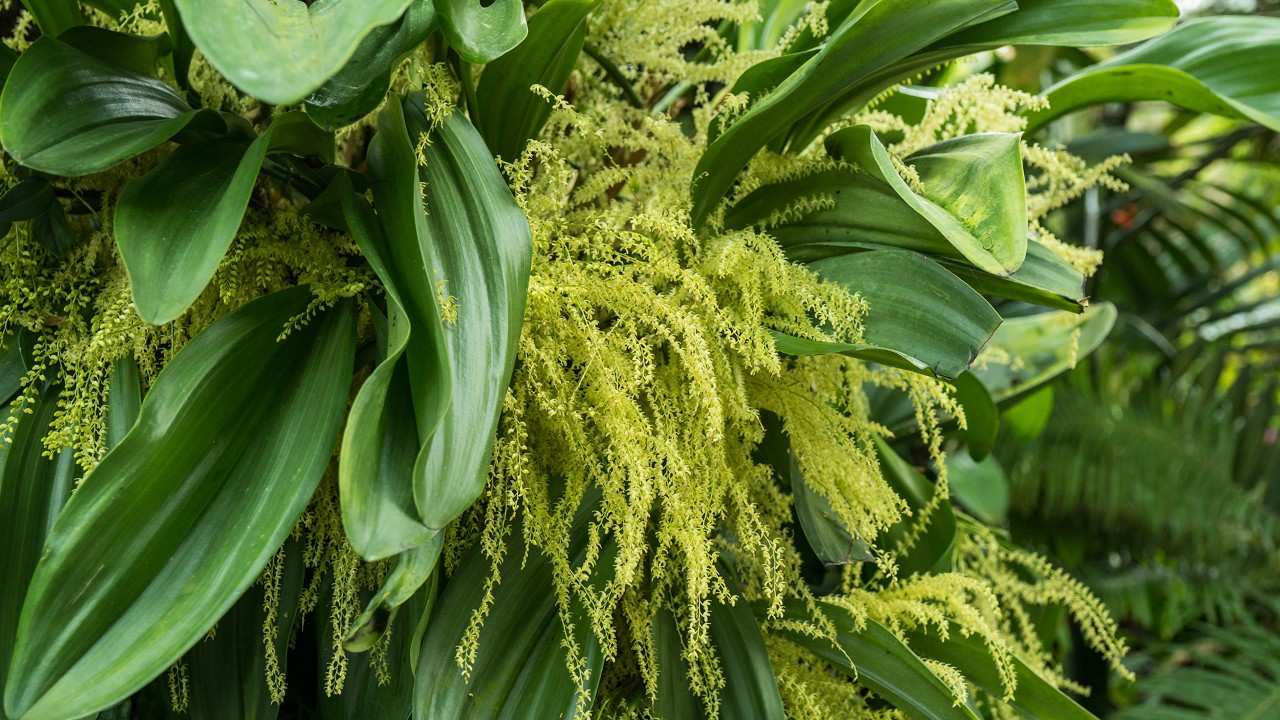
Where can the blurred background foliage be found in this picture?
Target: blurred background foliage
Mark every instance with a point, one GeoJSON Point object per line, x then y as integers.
{"type": "Point", "coordinates": [1152, 470]}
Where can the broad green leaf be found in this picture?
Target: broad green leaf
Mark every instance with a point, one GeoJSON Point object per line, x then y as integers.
{"type": "Point", "coordinates": [174, 224]}
{"type": "Point", "coordinates": [982, 417]}
{"type": "Point", "coordinates": [1027, 418]}
{"type": "Point", "coordinates": [480, 252]}
{"type": "Point", "coordinates": [14, 365]}
{"type": "Point", "coordinates": [520, 669]}
{"type": "Point", "coordinates": [980, 485]}
{"type": "Point", "coordinates": [915, 307]}
{"type": "Point", "coordinates": [68, 113]}
{"type": "Point", "coordinates": [235, 433]}
{"type": "Point", "coordinates": [877, 659]}
{"type": "Point", "coordinates": [1220, 65]}
{"type": "Point", "coordinates": [279, 51]}
{"type": "Point", "coordinates": [55, 16]}
{"type": "Point", "coordinates": [972, 190]}
{"type": "Point", "coordinates": [675, 699]}
{"type": "Point", "coordinates": [51, 230]}
{"type": "Point", "coordinates": [294, 132]}
{"type": "Point", "coordinates": [877, 34]}
{"type": "Point", "coordinates": [408, 575]}
{"type": "Point", "coordinates": [33, 489]}
{"type": "Point", "coordinates": [482, 30]}
{"type": "Point", "coordinates": [934, 549]}
{"type": "Point", "coordinates": [124, 400]}
{"type": "Point", "coordinates": [1044, 279]}
{"type": "Point", "coordinates": [760, 79]}
{"type": "Point", "coordinates": [509, 113]}
{"type": "Point", "coordinates": [1034, 696]}
{"type": "Point", "coordinates": [361, 85]}
{"type": "Point", "coordinates": [27, 200]}
{"type": "Point", "coordinates": [1030, 351]}
{"type": "Point", "coordinates": [750, 688]}
{"type": "Point", "coordinates": [227, 673]}
{"type": "Point", "coordinates": [381, 442]}
{"type": "Point", "coordinates": [138, 53]}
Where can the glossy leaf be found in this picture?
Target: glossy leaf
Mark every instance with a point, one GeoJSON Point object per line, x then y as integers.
{"type": "Point", "coordinates": [54, 16]}
{"type": "Point", "coordinates": [482, 30]}
{"type": "Point", "coordinates": [981, 486]}
{"type": "Point", "coordinates": [26, 200]}
{"type": "Point", "coordinates": [481, 249]}
{"type": "Point", "coordinates": [509, 113]}
{"type": "Point", "coordinates": [1034, 697]}
{"type": "Point", "coordinates": [972, 190]}
{"type": "Point", "coordinates": [982, 417]}
{"type": "Point", "coordinates": [124, 400]}
{"type": "Point", "coordinates": [33, 489]}
{"type": "Point", "coordinates": [279, 52]}
{"type": "Point", "coordinates": [750, 688]}
{"type": "Point", "coordinates": [1044, 346]}
{"type": "Point", "coordinates": [69, 113]}
{"type": "Point", "coordinates": [174, 224]}
{"type": "Point", "coordinates": [1220, 65]}
{"type": "Point", "coordinates": [934, 317]}
{"type": "Point", "coordinates": [1044, 279]}
{"type": "Point", "coordinates": [520, 668]}
{"type": "Point", "coordinates": [235, 433]}
{"type": "Point", "coordinates": [877, 34]}
{"type": "Point", "coordinates": [877, 659]}
{"type": "Point", "coordinates": [361, 85]}
{"type": "Point", "coordinates": [138, 53]}
{"type": "Point", "coordinates": [1079, 23]}
{"type": "Point", "coordinates": [934, 549]}
{"type": "Point", "coordinates": [14, 365]}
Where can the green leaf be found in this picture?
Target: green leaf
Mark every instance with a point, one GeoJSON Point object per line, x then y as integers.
{"type": "Point", "coordinates": [14, 364]}
{"type": "Point", "coordinates": [27, 200]}
{"type": "Point", "coordinates": [1027, 418]}
{"type": "Point", "coordinates": [279, 52]}
{"type": "Point", "coordinates": [1044, 279]}
{"type": "Point", "coordinates": [675, 699]}
{"type": "Point", "coordinates": [750, 687]}
{"type": "Point", "coordinates": [1220, 65]}
{"type": "Point", "coordinates": [877, 34]}
{"type": "Point", "coordinates": [68, 113]}
{"type": "Point", "coordinates": [1078, 23]}
{"type": "Point", "coordinates": [981, 486]}
{"type": "Point", "coordinates": [915, 307]}
{"type": "Point", "coordinates": [408, 575]}
{"type": "Point", "coordinates": [981, 415]}
{"type": "Point", "coordinates": [227, 674]}
{"type": "Point", "coordinates": [972, 191]}
{"type": "Point", "coordinates": [33, 489]}
{"type": "Point", "coordinates": [520, 669]}
{"type": "Point", "coordinates": [509, 113]}
{"type": "Point", "coordinates": [934, 549]}
{"type": "Point", "coordinates": [124, 400]}
{"type": "Point", "coordinates": [482, 30]}
{"type": "Point", "coordinates": [235, 433]}
{"type": "Point", "coordinates": [480, 250]}
{"type": "Point", "coordinates": [1034, 696]}
{"type": "Point", "coordinates": [1035, 349]}
{"type": "Point", "coordinates": [361, 85]}
{"type": "Point", "coordinates": [174, 224]}
{"type": "Point", "coordinates": [55, 16]}
{"type": "Point", "coordinates": [138, 53]}
{"type": "Point", "coordinates": [295, 133]}
{"type": "Point", "coordinates": [877, 659]}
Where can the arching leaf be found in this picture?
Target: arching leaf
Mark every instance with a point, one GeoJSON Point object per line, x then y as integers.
{"type": "Point", "coordinates": [1037, 348]}
{"type": "Point", "coordinates": [1220, 65]}
{"type": "Point", "coordinates": [235, 433]}
{"type": "Point", "coordinates": [69, 113]}
{"type": "Point", "coordinates": [281, 51]}
{"type": "Point", "coordinates": [55, 16]}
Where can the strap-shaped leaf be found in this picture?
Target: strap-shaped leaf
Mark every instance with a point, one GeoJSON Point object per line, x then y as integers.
{"type": "Point", "coordinates": [481, 249]}
{"type": "Point", "coordinates": [934, 318]}
{"type": "Point", "coordinates": [972, 190]}
{"type": "Point", "coordinates": [520, 668]}
{"type": "Point", "coordinates": [1034, 697]}
{"type": "Point", "coordinates": [1221, 65]}
{"type": "Point", "coordinates": [361, 85]}
{"type": "Point", "coordinates": [1044, 279]}
{"type": "Point", "coordinates": [235, 433]}
{"type": "Point", "coordinates": [877, 659]}
{"type": "Point", "coordinates": [33, 489]}
{"type": "Point", "coordinates": [981, 415]}
{"type": "Point", "coordinates": [279, 52]}
{"type": "Point", "coordinates": [750, 687]}
{"type": "Point", "coordinates": [509, 113]}
{"type": "Point", "coordinates": [1037, 348]}
{"type": "Point", "coordinates": [174, 224]}
{"type": "Point", "coordinates": [482, 30]}
{"type": "Point", "coordinates": [877, 34]}
{"type": "Point", "coordinates": [69, 113]}
{"type": "Point", "coordinates": [675, 699]}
